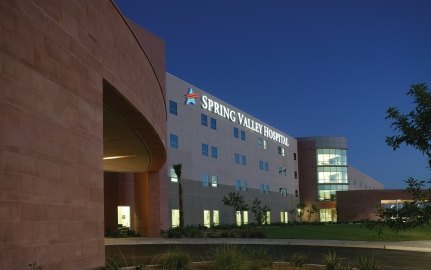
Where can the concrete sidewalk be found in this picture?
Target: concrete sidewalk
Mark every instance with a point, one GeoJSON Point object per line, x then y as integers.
{"type": "Point", "coordinates": [419, 246]}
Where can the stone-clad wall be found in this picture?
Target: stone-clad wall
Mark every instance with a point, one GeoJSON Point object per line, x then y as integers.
{"type": "Point", "coordinates": [54, 56]}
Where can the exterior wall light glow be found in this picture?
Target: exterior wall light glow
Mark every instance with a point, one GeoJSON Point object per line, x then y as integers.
{"type": "Point", "coordinates": [117, 157]}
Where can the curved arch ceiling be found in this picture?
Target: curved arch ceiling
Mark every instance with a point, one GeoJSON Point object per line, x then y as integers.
{"type": "Point", "coordinates": [123, 149]}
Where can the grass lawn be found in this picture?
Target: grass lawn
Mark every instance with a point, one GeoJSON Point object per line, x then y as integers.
{"type": "Point", "coordinates": [354, 232]}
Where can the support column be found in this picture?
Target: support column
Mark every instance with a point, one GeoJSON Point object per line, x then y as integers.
{"type": "Point", "coordinates": [147, 204]}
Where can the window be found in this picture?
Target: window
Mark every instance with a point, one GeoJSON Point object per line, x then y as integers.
{"type": "Point", "coordinates": [173, 175]}
{"type": "Point", "coordinates": [213, 123]}
{"type": "Point", "coordinates": [261, 143]}
{"type": "Point", "coordinates": [284, 217]}
{"type": "Point", "coordinates": [241, 218]}
{"type": "Point", "coordinates": [175, 218]}
{"type": "Point", "coordinates": [332, 175]}
{"type": "Point", "coordinates": [173, 107]}
{"type": "Point", "coordinates": [327, 192]}
{"type": "Point", "coordinates": [214, 181]}
{"type": "Point", "coordinates": [216, 217]}
{"type": "Point", "coordinates": [243, 160]}
{"type": "Point", "coordinates": [331, 157]}
{"type": "Point", "coordinates": [236, 158]}
{"type": "Point", "coordinates": [204, 149]}
{"type": "Point", "coordinates": [282, 170]}
{"type": "Point", "coordinates": [205, 180]}
{"type": "Point", "coordinates": [236, 132]}
{"type": "Point", "coordinates": [241, 185]}
{"type": "Point", "coordinates": [214, 151]}
{"type": "Point", "coordinates": [283, 191]}
{"type": "Point", "coordinates": [243, 135]}
{"type": "Point", "coordinates": [294, 156]}
{"type": "Point", "coordinates": [263, 165]}
{"type": "Point", "coordinates": [281, 151]}
{"type": "Point", "coordinates": [268, 217]}
{"type": "Point", "coordinates": [264, 188]}
{"type": "Point", "coordinates": [296, 193]}
{"type": "Point", "coordinates": [173, 141]}
{"type": "Point", "coordinates": [204, 120]}
{"type": "Point", "coordinates": [207, 218]}
{"type": "Point", "coordinates": [296, 175]}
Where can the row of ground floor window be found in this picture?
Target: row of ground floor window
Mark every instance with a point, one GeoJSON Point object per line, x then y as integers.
{"type": "Point", "coordinates": [212, 217]}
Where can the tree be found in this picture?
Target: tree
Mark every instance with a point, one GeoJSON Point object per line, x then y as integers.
{"type": "Point", "coordinates": [300, 210]}
{"type": "Point", "coordinates": [259, 211]}
{"type": "Point", "coordinates": [312, 210]}
{"type": "Point", "coordinates": [178, 170]}
{"type": "Point", "coordinates": [236, 201]}
{"type": "Point", "coordinates": [413, 129]}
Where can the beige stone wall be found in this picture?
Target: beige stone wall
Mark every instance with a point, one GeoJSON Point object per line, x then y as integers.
{"type": "Point", "coordinates": [54, 56]}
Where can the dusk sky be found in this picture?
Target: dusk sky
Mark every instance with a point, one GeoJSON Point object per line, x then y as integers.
{"type": "Point", "coordinates": [308, 68]}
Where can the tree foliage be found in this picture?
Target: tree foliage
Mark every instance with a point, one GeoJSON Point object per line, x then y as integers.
{"type": "Point", "coordinates": [236, 201]}
{"type": "Point", "coordinates": [259, 211]}
{"type": "Point", "coordinates": [312, 210]}
{"type": "Point", "coordinates": [414, 128]}
{"type": "Point", "coordinates": [178, 171]}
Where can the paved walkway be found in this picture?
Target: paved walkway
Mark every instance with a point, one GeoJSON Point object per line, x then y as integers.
{"type": "Point", "coordinates": [419, 246]}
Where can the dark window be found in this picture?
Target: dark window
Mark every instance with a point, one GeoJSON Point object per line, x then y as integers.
{"type": "Point", "coordinates": [213, 123]}
{"type": "Point", "coordinates": [296, 175]}
{"type": "Point", "coordinates": [294, 156]}
{"type": "Point", "coordinates": [236, 132]}
{"type": "Point", "coordinates": [236, 158]}
{"type": "Point", "coordinates": [173, 141]}
{"type": "Point", "coordinates": [243, 135]}
{"type": "Point", "coordinates": [173, 107]}
{"type": "Point", "coordinates": [204, 149]}
{"type": "Point", "coordinates": [204, 120]}
{"type": "Point", "coordinates": [214, 152]}
{"type": "Point", "coordinates": [243, 160]}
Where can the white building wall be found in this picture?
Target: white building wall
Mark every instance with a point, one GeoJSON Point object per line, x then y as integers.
{"type": "Point", "coordinates": [191, 134]}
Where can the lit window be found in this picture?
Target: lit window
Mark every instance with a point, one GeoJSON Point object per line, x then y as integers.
{"type": "Point", "coordinates": [205, 180]}
{"type": "Point", "coordinates": [284, 217]}
{"type": "Point", "coordinates": [268, 217]}
{"type": "Point", "coordinates": [241, 218]}
{"type": "Point", "coordinates": [331, 157]}
{"type": "Point", "coordinates": [204, 149]}
{"type": "Point", "coordinates": [213, 123]}
{"type": "Point", "coordinates": [173, 175]}
{"type": "Point", "coordinates": [175, 218]}
{"type": "Point", "coordinates": [236, 132]}
{"type": "Point", "coordinates": [261, 143]}
{"type": "Point", "coordinates": [173, 107]}
{"type": "Point", "coordinates": [173, 141]}
{"type": "Point", "coordinates": [207, 218]}
{"type": "Point", "coordinates": [204, 120]}
{"type": "Point", "coordinates": [281, 151]}
{"type": "Point", "coordinates": [214, 151]}
{"type": "Point", "coordinates": [243, 135]}
{"type": "Point", "coordinates": [214, 181]}
{"type": "Point", "coordinates": [216, 217]}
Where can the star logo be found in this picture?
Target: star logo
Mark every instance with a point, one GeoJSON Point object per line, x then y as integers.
{"type": "Point", "coordinates": [191, 97]}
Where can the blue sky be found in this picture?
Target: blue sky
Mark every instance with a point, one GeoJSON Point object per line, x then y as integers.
{"type": "Point", "coordinates": [328, 68]}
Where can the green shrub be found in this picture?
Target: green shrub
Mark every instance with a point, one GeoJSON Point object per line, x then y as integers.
{"type": "Point", "coordinates": [365, 263]}
{"type": "Point", "coordinates": [228, 257]}
{"type": "Point", "coordinates": [175, 260]}
{"type": "Point", "coordinates": [299, 259]}
{"type": "Point", "coordinates": [331, 260]}
{"type": "Point", "coordinates": [260, 258]}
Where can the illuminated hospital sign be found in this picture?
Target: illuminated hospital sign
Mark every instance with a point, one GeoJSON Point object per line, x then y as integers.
{"type": "Point", "coordinates": [237, 117]}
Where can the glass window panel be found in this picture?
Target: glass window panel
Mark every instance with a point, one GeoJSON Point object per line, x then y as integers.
{"type": "Point", "coordinates": [207, 218]}
{"type": "Point", "coordinates": [204, 120]}
{"type": "Point", "coordinates": [216, 217]}
{"type": "Point", "coordinates": [175, 218]}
